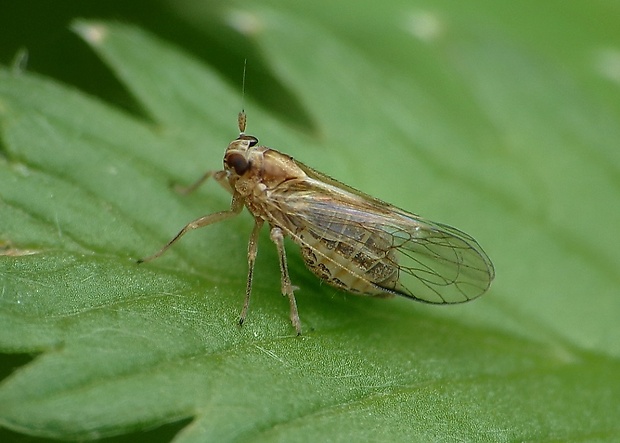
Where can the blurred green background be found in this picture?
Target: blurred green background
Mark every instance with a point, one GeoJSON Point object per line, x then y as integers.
{"type": "Point", "coordinates": [528, 95]}
{"type": "Point", "coordinates": [200, 28]}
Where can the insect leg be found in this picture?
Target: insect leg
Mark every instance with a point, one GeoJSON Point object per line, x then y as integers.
{"type": "Point", "coordinates": [235, 208]}
{"type": "Point", "coordinates": [252, 251]}
{"type": "Point", "coordinates": [287, 289]}
{"type": "Point", "coordinates": [184, 190]}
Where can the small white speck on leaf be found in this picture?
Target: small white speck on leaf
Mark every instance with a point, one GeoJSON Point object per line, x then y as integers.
{"type": "Point", "coordinates": [607, 63]}
{"type": "Point", "coordinates": [92, 33]}
{"type": "Point", "coordinates": [424, 25]}
{"type": "Point", "coordinates": [244, 22]}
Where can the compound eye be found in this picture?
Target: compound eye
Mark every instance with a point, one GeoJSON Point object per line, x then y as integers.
{"type": "Point", "coordinates": [238, 163]}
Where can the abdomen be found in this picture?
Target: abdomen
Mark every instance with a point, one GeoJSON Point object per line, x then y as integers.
{"type": "Point", "coordinates": [360, 261]}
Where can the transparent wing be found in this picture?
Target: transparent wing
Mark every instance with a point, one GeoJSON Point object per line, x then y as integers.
{"type": "Point", "coordinates": [435, 263]}
{"type": "Point", "coordinates": [438, 263]}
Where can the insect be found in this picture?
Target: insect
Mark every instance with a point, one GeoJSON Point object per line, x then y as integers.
{"type": "Point", "coordinates": [348, 239]}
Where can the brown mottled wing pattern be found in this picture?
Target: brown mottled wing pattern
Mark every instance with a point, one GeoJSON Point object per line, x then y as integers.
{"type": "Point", "coordinates": [436, 263]}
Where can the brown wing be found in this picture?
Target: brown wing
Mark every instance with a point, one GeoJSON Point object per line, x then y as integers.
{"type": "Point", "coordinates": [436, 263]}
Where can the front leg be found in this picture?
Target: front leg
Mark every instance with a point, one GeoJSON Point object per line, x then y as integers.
{"type": "Point", "coordinates": [252, 251]}
{"type": "Point", "coordinates": [287, 289]}
{"type": "Point", "coordinates": [219, 176]}
{"type": "Point", "coordinates": [236, 206]}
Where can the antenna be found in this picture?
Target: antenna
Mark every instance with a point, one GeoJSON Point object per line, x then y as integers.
{"type": "Point", "coordinates": [241, 118]}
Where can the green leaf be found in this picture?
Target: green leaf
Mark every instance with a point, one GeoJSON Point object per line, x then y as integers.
{"type": "Point", "coordinates": [462, 122]}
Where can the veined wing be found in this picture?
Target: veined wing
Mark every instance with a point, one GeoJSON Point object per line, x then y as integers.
{"type": "Point", "coordinates": [435, 263]}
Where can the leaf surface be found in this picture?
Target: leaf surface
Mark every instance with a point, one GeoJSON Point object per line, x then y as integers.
{"type": "Point", "coordinates": [474, 128]}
